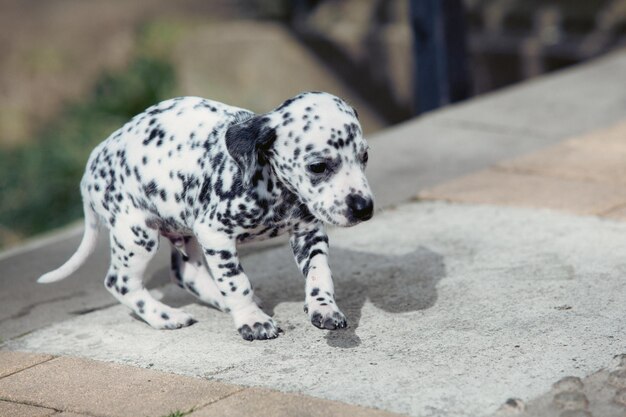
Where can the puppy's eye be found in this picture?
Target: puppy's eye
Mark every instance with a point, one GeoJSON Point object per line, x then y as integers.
{"type": "Point", "coordinates": [364, 157]}
{"type": "Point", "coordinates": [318, 168]}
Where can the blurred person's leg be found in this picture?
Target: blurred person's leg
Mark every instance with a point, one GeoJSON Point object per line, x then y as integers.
{"type": "Point", "coordinates": [441, 68]}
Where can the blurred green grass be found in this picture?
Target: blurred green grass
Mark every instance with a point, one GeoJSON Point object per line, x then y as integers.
{"type": "Point", "coordinates": [39, 181]}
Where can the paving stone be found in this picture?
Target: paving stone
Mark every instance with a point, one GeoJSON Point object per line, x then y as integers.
{"type": "Point", "coordinates": [23, 410]}
{"type": "Point", "coordinates": [12, 362]}
{"type": "Point", "coordinates": [266, 403]}
{"type": "Point", "coordinates": [91, 387]}
{"type": "Point", "coordinates": [498, 187]}
{"type": "Point", "coordinates": [599, 156]}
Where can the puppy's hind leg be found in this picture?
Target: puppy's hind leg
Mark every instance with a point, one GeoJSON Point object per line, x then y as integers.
{"type": "Point", "coordinates": [220, 252]}
{"type": "Point", "coordinates": [132, 246]}
{"type": "Point", "coordinates": [190, 272]}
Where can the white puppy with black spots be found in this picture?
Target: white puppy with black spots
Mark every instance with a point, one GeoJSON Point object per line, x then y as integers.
{"type": "Point", "coordinates": [209, 176]}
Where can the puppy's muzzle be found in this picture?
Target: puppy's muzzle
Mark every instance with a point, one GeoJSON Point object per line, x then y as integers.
{"type": "Point", "coordinates": [359, 208]}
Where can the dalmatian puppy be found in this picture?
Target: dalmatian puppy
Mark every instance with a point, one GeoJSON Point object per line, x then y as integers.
{"type": "Point", "coordinates": [208, 176]}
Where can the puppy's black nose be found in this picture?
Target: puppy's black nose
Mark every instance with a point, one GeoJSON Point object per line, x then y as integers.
{"type": "Point", "coordinates": [359, 208]}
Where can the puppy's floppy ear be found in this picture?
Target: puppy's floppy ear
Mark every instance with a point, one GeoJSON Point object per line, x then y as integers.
{"type": "Point", "coordinates": [248, 141]}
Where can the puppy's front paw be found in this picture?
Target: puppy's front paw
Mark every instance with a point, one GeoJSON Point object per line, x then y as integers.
{"type": "Point", "coordinates": [256, 325]}
{"type": "Point", "coordinates": [327, 317]}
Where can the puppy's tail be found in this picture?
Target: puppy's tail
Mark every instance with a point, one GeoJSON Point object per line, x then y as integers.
{"type": "Point", "coordinates": [85, 248]}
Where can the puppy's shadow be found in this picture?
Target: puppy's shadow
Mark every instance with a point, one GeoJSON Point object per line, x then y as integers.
{"type": "Point", "coordinates": [395, 284]}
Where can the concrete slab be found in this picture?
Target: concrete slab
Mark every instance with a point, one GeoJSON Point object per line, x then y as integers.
{"type": "Point", "coordinates": [266, 403]}
{"type": "Point", "coordinates": [13, 362]}
{"type": "Point", "coordinates": [495, 186]}
{"type": "Point", "coordinates": [24, 410]}
{"type": "Point", "coordinates": [153, 393]}
{"type": "Point", "coordinates": [453, 309]}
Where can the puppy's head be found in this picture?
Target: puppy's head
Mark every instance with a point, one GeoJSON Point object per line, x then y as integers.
{"type": "Point", "coordinates": [315, 146]}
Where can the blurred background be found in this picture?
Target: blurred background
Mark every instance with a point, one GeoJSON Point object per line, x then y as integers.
{"type": "Point", "coordinates": [73, 71]}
